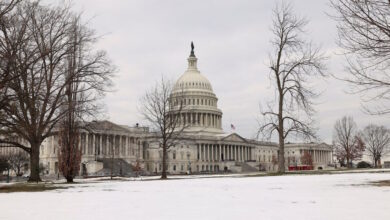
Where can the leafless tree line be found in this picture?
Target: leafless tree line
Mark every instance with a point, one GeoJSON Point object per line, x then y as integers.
{"type": "Point", "coordinates": [52, 69]}
{"type": "Point", "coordinates": [364, 34]}
{"type": "Point", "coordinates": [351, 144]}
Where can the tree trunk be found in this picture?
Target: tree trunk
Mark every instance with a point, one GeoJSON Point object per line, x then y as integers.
{"type": "Point", "coordinates": [69, 179]}
{"type": "Point", "coordinates": [281, 168]}
{"type": "Point", "coordinates": [376, 162]}
{"type": "Point", "coordinates": [281, 155]}
{"type": "Point", "coordinates": [164, 163]}
{"type": "Point", "coordinates": [348, 163]}
{"type": "Point", "coordinates": [34, 163]}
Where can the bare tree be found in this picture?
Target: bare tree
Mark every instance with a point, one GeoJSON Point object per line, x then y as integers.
{"type": "Point", "coordinates": [44, 41]}
{"type": "Point", "coordinates": [6, 53]}
{"type": "Point", "coordinates": [82, 92]}
{"type": "Point", "coordinates": [377, 141]}
{"type": "Point", "coordinates": [18, 161]}
{"type": "Point", "coordinates": [364, 33]}
{"type": "Point", "coordinates": [307, 158]}
{"type": "Point", "coordinates": [346, 141]}
{"type": "Point", "coordinates": [292, 63]}
{"type": "Point", "coordinates": [158, 107]}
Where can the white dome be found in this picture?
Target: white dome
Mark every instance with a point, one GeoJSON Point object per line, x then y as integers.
{"type": "Point", "coordinates": [192, 80]}
{"type": "Point", "coordinates": [193, 94]}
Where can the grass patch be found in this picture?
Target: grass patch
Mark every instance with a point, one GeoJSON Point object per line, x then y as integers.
{"type": "Point", "coordinates": [29, 187]}
{"type": "Point", "coordinates": [381, 183]}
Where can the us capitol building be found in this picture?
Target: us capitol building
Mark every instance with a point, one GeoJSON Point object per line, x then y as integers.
{"type": "Point", "coordinates": [203, 147]}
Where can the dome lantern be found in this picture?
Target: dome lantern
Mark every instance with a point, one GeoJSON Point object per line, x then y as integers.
{"type": "Point", "coordinates": [192, 60]}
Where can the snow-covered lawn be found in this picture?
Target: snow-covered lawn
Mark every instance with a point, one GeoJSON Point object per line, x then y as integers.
{"type": "Point", "coordinates": [341, 196]}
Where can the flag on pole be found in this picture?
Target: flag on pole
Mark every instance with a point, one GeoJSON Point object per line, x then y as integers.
{"type": "Point", "coordinates": [232, 127]}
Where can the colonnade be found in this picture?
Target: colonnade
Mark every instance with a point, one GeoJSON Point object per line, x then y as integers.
{"type": "Point", "coordinates": [201, 119]}
{"type": "Point", "coordinates": [103, 145]}
{"type": "Point", "coordinates": [109, 144]}
{"type": "Point", "coordinates": [223, 152]}
{"type": "Point", "coordinates": [320, 156]}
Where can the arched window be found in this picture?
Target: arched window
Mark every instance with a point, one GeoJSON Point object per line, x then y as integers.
{"type": "Point", "coordinates": [174, 167]}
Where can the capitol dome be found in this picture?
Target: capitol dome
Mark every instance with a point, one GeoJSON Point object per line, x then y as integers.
{"type": "Point", "coordinates": [193, 94]}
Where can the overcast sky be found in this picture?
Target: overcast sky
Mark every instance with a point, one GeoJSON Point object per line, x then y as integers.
{"type": "Point", "coordinates": [146, 39]}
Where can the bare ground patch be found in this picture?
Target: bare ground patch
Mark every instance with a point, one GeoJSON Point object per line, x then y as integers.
{"type": "Point", "coordinates": [381, 183]}
{"type": "Point", "coordinates": [29, 187]}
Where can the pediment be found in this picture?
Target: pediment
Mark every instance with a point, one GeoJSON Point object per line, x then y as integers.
{"type": "Point", "coordinates": [106, 126]}
{"type": "Point", "coordinates": [234, 137]}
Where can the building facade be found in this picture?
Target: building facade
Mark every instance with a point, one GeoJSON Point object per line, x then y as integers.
{"type": "Point", "coordinates": [203, 147]}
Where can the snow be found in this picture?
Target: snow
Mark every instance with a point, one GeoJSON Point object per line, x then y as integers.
{"type": "Point", "coordinates": [337, 196]}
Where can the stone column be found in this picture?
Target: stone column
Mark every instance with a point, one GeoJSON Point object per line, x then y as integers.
{"type": "Point", "coordinates": [207, 152]}
{"type": "Point", "coordinates": [100, 144]}
{"type": "Point", "coordinates": [241, 156]}
{"type": "Point", "coordinates": [108, 147]}
{"type": "Point", "coordinates": [52, 146]}
{"type": "Point", "coordinates": [234, 152]}
{"type": "Point", "coordinates": [204, 152]}
{"type": "Point", "coordinates": [201, 152]}
{"type": "Point", "coordinates": [121, 147]}
{"type": "Point", "coordinates": [219, 152]}
{"type": "Point", "coordinates": [244, 153]}
{"type": "Point", "coordinates": [319, 156]}
{"type": "Point", "coordinates": [86, 143]}
{"type": "Point", "coordinates": [211, 152]}
{"type": "Point", "coordinates": [227, 152]}
{"type": "Point", "coordinates": [93, 145]}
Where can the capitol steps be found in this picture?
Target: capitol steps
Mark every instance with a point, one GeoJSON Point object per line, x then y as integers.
{"type": "Point", "coordinates": [120, 167]}
{"type": "Point", "coordinates": [246, 168]}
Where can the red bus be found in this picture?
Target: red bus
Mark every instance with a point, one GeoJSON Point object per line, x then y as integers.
{"type": "Point", "coordinates": [300, 167]}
